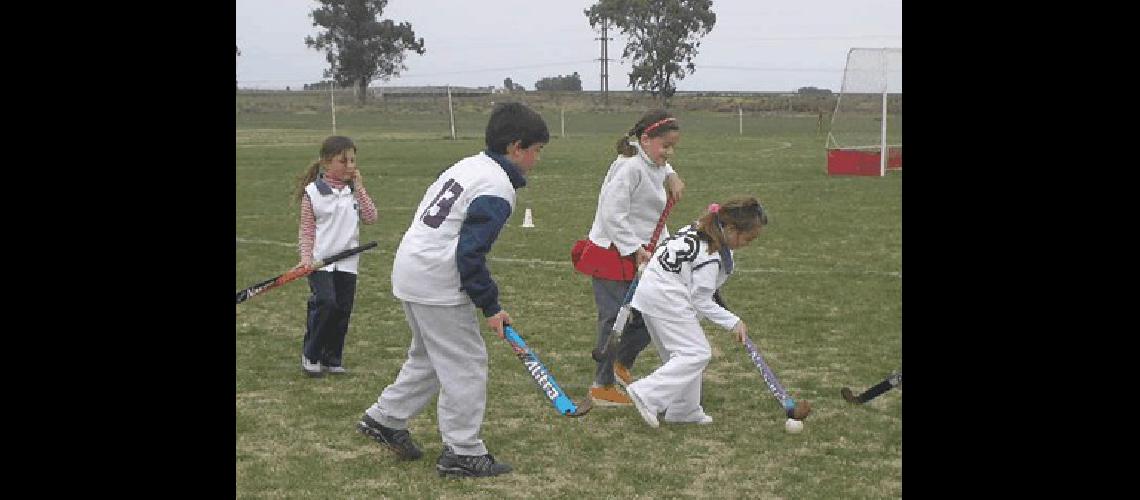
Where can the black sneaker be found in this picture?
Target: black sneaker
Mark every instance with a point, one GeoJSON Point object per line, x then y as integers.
{"type": "Point", "coordinates": [450, 464]}
{"type": "Point", "coordinates": [398, 440]}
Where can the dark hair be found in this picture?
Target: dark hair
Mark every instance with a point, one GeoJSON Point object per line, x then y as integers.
{"type": "Point", "coordinates": [333, 145]}
{"type": "Point", "coordinates": [742, 213]}
{"type": "Point", "coordinates": [648, 119]}
{"type": "Point", "coordinates": [514, 121]}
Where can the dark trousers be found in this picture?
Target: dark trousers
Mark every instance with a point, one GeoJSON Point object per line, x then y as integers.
{"type": "Point", "coordinates": [608, 296]}
{"type": "Point", "coordinates": [330, 307]}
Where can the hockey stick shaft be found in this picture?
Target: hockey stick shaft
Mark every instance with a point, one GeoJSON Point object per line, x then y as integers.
{"type": "Point", "coordinates": [789, 404]}
{"type": "Point", "coordinates": [770, 379]}
{"type": "Point", "coordinates": [276, 281]}
{"type": "Point", "coordinates": [624, 312]}
{"type": "Point", "coordinates": [893, 380]}
{"type": "Point", "coordinates": [538, 371]}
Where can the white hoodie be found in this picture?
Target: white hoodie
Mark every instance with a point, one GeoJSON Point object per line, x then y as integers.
{"type": "Point", "coordinates": [630, 202]}
{"type": "Point", "coordinates": [680, 280]}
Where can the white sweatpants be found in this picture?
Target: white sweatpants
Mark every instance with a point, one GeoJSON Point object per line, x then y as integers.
{"type": "Point", "coordinates": [675, 386]}
{"type": "Point", "coordinates": [448, 356]}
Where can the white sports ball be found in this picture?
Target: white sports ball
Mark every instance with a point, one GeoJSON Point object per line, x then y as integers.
{"type": "Point", "coordinates": [793, 426]}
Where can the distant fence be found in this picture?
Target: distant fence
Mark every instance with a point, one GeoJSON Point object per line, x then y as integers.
{"type": "Point", "coordinates": [411, 99]}
{"type": "Point", "coordinates": [429, 112]}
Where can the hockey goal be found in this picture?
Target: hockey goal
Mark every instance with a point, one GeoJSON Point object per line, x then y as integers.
{"type": "Point", "coordinates": [865, 136]}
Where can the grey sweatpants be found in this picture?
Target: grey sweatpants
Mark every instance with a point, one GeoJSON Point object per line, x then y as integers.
{"type": "Point", "coordinates": [608, 295]}
{"type": "Point", "coordinates": [447, 356]}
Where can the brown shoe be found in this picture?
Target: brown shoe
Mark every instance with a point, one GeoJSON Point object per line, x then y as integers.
{"type": "Point", "coordinates": [609, 396]}
{"type": "Point", "coordinates": [622, 375]}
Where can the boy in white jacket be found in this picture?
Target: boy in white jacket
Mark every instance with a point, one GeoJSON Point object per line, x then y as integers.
{"type": "Point", "coordinates": [441, 277]}
{"type": "Point", "coordinates": [676, 290]}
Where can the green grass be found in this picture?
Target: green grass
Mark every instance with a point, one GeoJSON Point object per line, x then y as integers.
{"type": "Point", "coordinates": [820, 291]}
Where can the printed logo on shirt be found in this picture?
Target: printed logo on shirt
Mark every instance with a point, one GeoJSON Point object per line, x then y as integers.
{"type": "Point", "coordinates": [679, 248]}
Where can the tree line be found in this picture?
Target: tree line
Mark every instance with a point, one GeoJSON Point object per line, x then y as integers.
{"type": "Point", "coordinates": [663, 41]}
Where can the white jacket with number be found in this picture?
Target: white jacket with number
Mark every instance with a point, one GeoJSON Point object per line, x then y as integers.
{"type": "Point", "coordinates": [425, 270]}
{"type": "Point", "coordinates": [680, 280]}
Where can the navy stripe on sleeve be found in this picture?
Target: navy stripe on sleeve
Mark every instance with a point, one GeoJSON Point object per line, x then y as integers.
{"type": "Point", "coordinates": [486, 216]}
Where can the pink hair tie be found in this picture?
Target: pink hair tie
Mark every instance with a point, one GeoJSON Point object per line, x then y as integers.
{"type": "Point", "coordinates": [714, 208]}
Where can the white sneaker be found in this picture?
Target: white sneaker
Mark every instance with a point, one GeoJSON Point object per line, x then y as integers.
{"type": "Point", "coordinates": [704, 420]}
{"type": "Point", "coordinates": [340, 370]}
{"type": "Point", "coordinates": [311, 368]}
{"type": "Point", "coordinates": [648, 416]}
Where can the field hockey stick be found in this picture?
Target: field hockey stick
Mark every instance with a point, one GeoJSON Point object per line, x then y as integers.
{"type": "Point", "coordinates": [543, 378]}
{"type": "Point", "coordinates": [798, 410]}
{"type": "Point", "coordinates": [276, 281]}
{"type": "Point", "coordinates": [623, 313]}
{"type": "Point", "coordinates": [893, 380]}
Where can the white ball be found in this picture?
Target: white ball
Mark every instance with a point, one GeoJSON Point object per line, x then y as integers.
{"type": "Point", "coordinates": [793, 426]}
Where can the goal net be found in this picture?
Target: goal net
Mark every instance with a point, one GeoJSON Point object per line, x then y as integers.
{"type": "Point", "coordinates": [865, 136]}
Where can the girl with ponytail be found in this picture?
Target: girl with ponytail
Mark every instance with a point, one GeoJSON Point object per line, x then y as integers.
{"type": "Point", "coordinates": [333, 204]}
{"type": "Point", "coordinates": [676, 290]}
{"type": "Point", "coordinates": [630, 203]}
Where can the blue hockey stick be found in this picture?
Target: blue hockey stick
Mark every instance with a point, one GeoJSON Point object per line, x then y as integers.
{"type": "Point", "coordinates": [543, 378]}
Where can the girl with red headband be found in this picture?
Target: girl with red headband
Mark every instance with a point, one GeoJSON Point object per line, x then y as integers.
{"type": "Point", "coordinates": [631, 201]}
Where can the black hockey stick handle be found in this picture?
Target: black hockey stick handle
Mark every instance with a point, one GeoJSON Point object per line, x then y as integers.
{"type": "Point", "coordinates": [887, 384]}
{"type": "Point", "coordinates": [893, 380]}
{"type": "Point", "coordinates": [276, 281]}
{"type": "Point", "coordinates": [340, 255]}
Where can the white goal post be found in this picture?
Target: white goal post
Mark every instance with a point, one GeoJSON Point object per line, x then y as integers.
{"type": "Point", "coordinates": [865, 136]}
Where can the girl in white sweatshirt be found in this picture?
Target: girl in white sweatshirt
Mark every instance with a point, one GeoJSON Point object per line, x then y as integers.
{"type": "Point", "coordinates": [676, 290]}
{"type": "Point", "coordinates": [630, 203]}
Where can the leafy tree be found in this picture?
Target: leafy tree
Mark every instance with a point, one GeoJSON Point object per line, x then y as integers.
{"type": "Point", "coordinates": [813, 91]}
{"type": "Point", "coordinates": [571, 82]}
{"type": "Point", "coordinates": [358, 47]}
{"type": "Point", "coordinates": [663, 35]}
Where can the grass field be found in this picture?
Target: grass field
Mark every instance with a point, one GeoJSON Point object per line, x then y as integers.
{"type": "Point", "coordinates": [820, 291]}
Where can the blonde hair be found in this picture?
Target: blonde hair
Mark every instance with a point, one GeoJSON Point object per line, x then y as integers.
{"type": "Point", "coordinates": [657, 121]}
{"type": "Point", "coordinates": [742, 213]}
{"type": "Point", "coordinates": [330, 148]}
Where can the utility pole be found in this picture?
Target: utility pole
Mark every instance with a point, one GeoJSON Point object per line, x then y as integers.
{"type": "Point", "coordinates": [605, 80]}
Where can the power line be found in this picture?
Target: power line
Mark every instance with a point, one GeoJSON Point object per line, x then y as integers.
{"type": "Point", "coordinates": [794, 70]}
{"type": "Point", "coordinates": [808, 37]}
{"type": "Point", "coordinates": [428, 75]}
{"type": "Point", "coordinates": [488, 70]}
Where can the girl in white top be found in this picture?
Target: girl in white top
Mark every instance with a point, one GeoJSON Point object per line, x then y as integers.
{"type": "Point", "coordinates": [333, 205]}
{"type": "Point", "coordinates": [630, 203]}
{"type": "Point", "coordinates": [677, 289]}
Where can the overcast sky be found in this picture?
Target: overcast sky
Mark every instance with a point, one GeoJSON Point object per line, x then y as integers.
{"type": "Point", "coordinates": [762, 45]}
